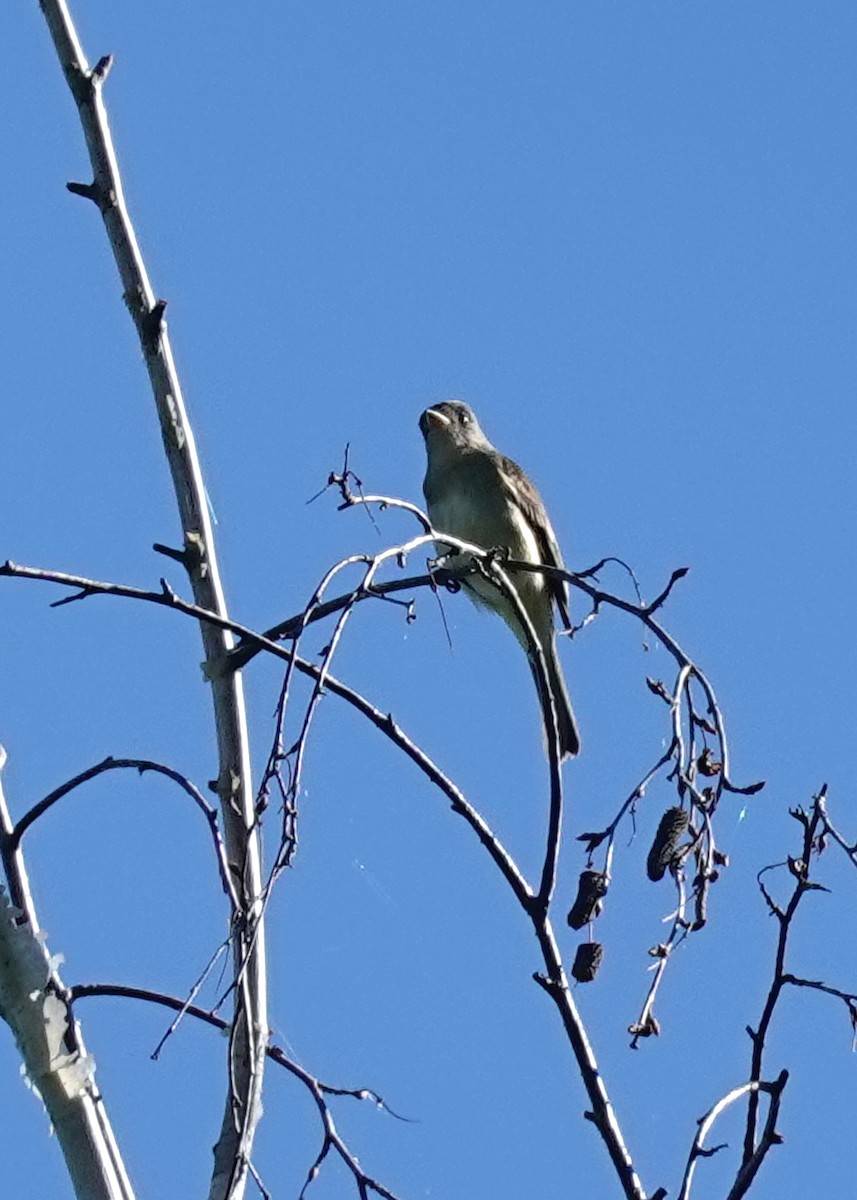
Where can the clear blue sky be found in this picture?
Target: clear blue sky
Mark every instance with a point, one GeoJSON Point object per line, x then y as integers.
{"type": "Point", "coordinates": [625, 232]}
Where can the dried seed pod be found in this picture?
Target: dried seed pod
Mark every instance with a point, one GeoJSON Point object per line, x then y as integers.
{"type": "Point", "coordinates": [591, 888]}
{"type": "Point", "coordinates": [673, 824]}
{"type": "Point", "coordinates": [706, 764]}
{"type": "Point", "coordinates": [587, 960]}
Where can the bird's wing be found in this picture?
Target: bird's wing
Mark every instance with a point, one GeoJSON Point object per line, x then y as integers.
{"type": "Point", "coordinates": [522, 493]}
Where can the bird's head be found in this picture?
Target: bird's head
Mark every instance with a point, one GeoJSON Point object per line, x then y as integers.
{"type": "Point", "coordinates": [450, 427]}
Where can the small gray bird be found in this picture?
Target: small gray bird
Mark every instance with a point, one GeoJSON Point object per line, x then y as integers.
{"type": "Point", "coordinates": [477, 494]}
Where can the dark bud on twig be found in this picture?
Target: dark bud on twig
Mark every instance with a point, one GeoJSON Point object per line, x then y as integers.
{"type": "Point", "coordinates": [706, 765]}
{"type": "Point", "coordinates": [152, 323]}
{"type": "Point", "coordinates": [591, 889]}
{"type": "Point", "coordinates": [678, 574]}
{"type": "Point", "coordinates": [587, 960]}
{"type": "Point", "coordinates": [648, 1028]}
{"type": "Point", "coordinates": [179, 556]}
{"type": "Point", "coordinates": [89, 191]}
{"type": "Point", "coordinates": [102, 69]}
{"type": "Point", "coordinates": [798, 868]}
{"type": "Point", "coordinates": [664, 847]}
{"type": "Point", "coordinates": [658, 689]}
{"type": "Point", "coordinates": [593, 840]}
{"type": "Point", "coordinates": [707, 799]}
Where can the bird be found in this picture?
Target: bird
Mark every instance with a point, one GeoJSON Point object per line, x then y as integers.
{"type": "Point", "coordinates": [475, 493]}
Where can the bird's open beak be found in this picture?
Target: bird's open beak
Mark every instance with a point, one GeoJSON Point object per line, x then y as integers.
{"type": "Point", "coordinates": [432, 416]}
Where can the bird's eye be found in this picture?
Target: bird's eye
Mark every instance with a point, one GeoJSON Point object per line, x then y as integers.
{"type": "Point", "coordinates": [464, 417]}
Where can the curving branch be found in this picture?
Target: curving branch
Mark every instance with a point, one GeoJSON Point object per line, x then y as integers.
{"type": "Point", "coordinates": [382, 721]}
{"type": "Point", "coordinates": [332, 1140]}
{"type": "Point", "coordinates": [35, 1004]}
{"type": "Point", "coordinates": [750, 1169]}
{"type": "Point", "coordinates": [698, 1150]}
{"type": "Point", "coordinates": [698, 769]}
{"type": "Point", "coordinates": [296, 754]}
{"type": "Point", "coordinates": [247, 1047]}
{"type": "Point", "coordinates": [141, 766]}
{"type": "Point", "coordinates": [554, 980]}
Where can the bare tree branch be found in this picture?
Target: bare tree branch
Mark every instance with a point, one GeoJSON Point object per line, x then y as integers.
{"type": "Point", "coordinates": [850, 848]}
{"type": "Point", "coordinates": [332, 1139]}
{"type": "Point", "coordinates": [247, 1050]}
{"type": "Point", "coordinates": [34, 1002]}
{"type": "Point", "coordinates": [769, 1138]}
{"type": "Point", "coordinates": [799, 870]}
{"type": "Point", "coordinates": [849, 999]}
{"type": "Point", "coordinates": [697, 1150]}
{"type": "Point", "coordinates": [774, 1091]}
{"type": "Point", "coordinates": [554, 981]}
{"type": "Point", "coordinates": [141, 765]}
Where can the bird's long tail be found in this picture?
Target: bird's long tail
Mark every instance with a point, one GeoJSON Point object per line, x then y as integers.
{"type": "Point", "coordinates": [569, 738]}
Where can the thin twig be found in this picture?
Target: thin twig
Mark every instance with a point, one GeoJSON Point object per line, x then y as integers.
{"type": "Point", "coordinates": [705, 1123]}
{"type": "Point", "coordinates": [799, 870]}
{"type": "Point", "coordinates": [554, 980]}
{"type": "Point", "coordinates": [774, 1091]}
{"type": "Point", "coordinates": [141, 765]}
{"type": "Point", "coordinates": [317, 1090]}
{"type": "Point", "coordinates": [770, 1137]}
